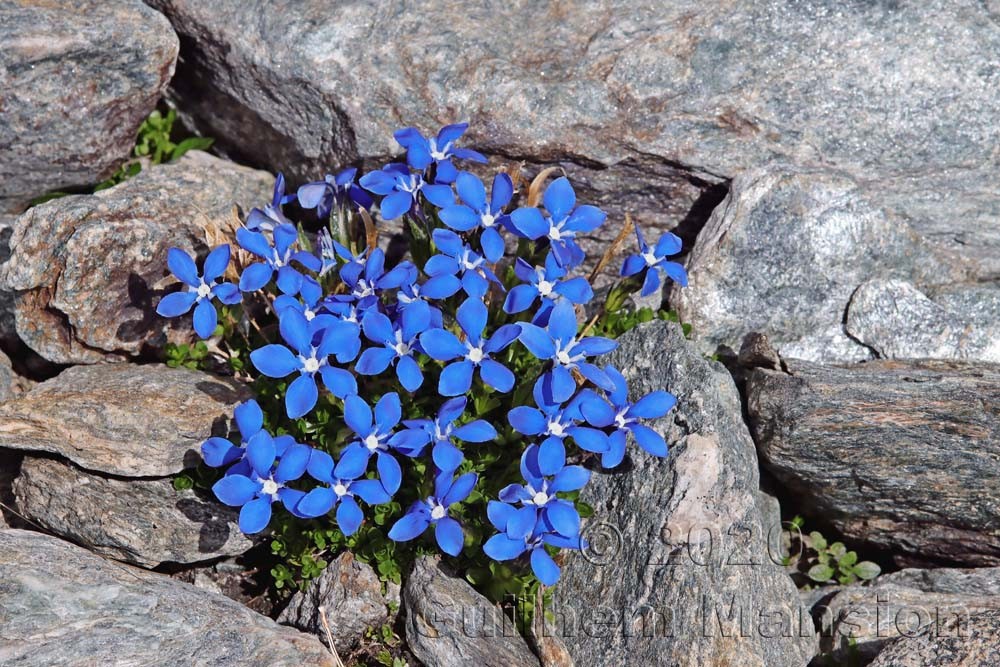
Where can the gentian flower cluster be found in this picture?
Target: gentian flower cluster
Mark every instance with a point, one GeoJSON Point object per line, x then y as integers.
{"type": "Point", "coordinates": [422, 381]}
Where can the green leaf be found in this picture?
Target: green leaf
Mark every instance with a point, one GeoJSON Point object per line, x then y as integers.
{"type": "Point", "coordinates": [820, 573]}
{"type": "Point", "coordinates": [837, 549]}
{"type": "Point", "coordinates": [817, 541]}
{"type": "Point", "coordinates": [848, 559]}
{"type": "Point", "coordinates": [191, 144]}
{"type": "Point", "coordinates": [866, 570]}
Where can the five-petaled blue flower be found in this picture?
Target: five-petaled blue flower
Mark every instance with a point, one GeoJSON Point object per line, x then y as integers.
{"type": "Point", "coordinates": [422, 152]}
{"type": "Point", "coordinates": [256, 482]}
{"type": "Point", "coordinates": [474, 352]}
{"type": "Point", "coordinates": [440, 431]}
{"type": "Point", "coordinates": [398, 344]}
{"type": "Point", "coordinates": [249, 419]}
{"type": "Point", "coordinates": [200, 289]}
{"type": "Point", "coordinates": [624, 417]}
{"type": "Point", "coordinates": [343, 484]}
{"type": "Point", "coordinates": [333, 191]}
{"type": "Point", "coordinates": [655, 260]}
{"type": "Point", "coordinates": [545, 474]}
{"type": "Point", "coordinates": [503, 547]}
{"type": "Point", "coordinates": [434, 512]}
{"type": "Point", "coordinates": [375, 436]}
{"type": "Point", "coordinates": [399, 188]}
{"type": "Point", "coordinates": [552, 420]}
{"type": "Point", "coordinates": [474, 211]}
{"type": "Point", "coordinates": [311, 349]}
{"type": "Point", "coordinates": [457, 257]}
{"type": "Point", "coordinates": [559, 344]}
{"type": "Point", "coordinates": [266, 219]}
{"type": "Point", "coordinates": [276, 259]}
{"type": "Point", "coordinates": [562, 224]}
{"type": "Point", "coordinates": [548, 284]}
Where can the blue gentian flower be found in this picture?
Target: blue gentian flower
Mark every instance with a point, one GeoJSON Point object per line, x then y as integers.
{"type": "Point", "coordinates": [546, 283]}
{"type": "Point", "coordinates": [474, 351]}
{"type": "Point", "coordinates": [559, 344]}
{"type": "Point", "coordinates": [375, 436]}
{"type": "Point", "coordinates": [343, 485]}
{"type": "Point", "coordinates": [434, 512]}
{"type": "Point", "coordinates": [457, 258]}
{"type": "Point", "coordinates": [219, 452]}
{"type": "Point", "coordinates": [333, 191]}
{"type": "Point", "coordinates": [368, 278]}
{"type": "Point", "coordinates": [474, 211]}
{"type": "Point", "coordinates": [309, 301]}
{"type": "Point", "coordinates": [276, 259]}
{"type": "Point", "coordinates": [562, 224]}
{"type": "Point", "coordinates": [624, 417]}
{"type": "Point", "coordinates": [421, 151]}
{"type": "Point", "coordinates": [654, 261]}
{"type": "Point", "coordinates": [309, 355]}
{"type": "Point", "coordinates": [545, 473]}
{"type": "Point", "coordinates": [200, 289]}
{"type": "Point", "coordinates": [503, 547]}
{"type": "Point", "coordinates": [553, 420]}
{"type": "Point", "coordinates": [399, 343]}
{"type": "Point", "coordinates": [447, 457]}
{"type": "Point", "coordinates": [399, 187]}
{"type": "Point", "coordinates": [266, 219]}
{"type": "Point", "coordinates": [261, 482]}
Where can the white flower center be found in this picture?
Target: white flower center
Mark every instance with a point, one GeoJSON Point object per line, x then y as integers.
{"type": "Point", "coordinates": [310, 365]}
{"type": "Point", "coordinates": [620, 420]}
{"type": "Point", "coordinates": [556, 429]}
{"type": "Point", "coordinates": [372, 442]}
{"type": "Point", "coordinates": [438, 512]}
{"type": "Point", "coordinates": [340, 489]}
{"type": "Point", "coordinates": [270, 487]}
{"type": "Point", "coordinates": [468, 264]}
{"type": "Point", "coordinates": [436, 153]}
{"type": "Point", "coordinates": [487, 219]}
{"type": "Point", "coordinates": [363, 289]}
{"type": "Point", "coordinates": [441, 435]}
{"type": "Point", "coordinates": [204, 289]}
{"type": "Point", "coordinates": [564, 358]}
{"type": "Point", "coordinates": [650, 258]}
{"type": "Point", "coordinates": [476, 355]}
{"type": "Point", "coordinates": [545, 287]}
{"type": "Point", "coordinates": [555, 233]}
{"type": "Point", "coordinates": [309, 315]}
{"type": "Point", "coordinates": [539, 498]}
{"type": "Point", "coordinates": [401, 348]}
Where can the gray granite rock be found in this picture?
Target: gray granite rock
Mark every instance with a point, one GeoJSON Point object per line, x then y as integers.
{"type": "Point", "coordinates": [906, 603]}
{"type": "Point", "coordinates": [449, 624]}
{"type": "Point", "coordinates": [632, 90]}
{"type": "Point", "coordinates": [979, 302]}
{"type": "Point", "coordinates": [903, 456]}
{"type": "Point", "coordinates": [140, 521]}
{"type": "Point", "coordinates": [898, 321]}
{"type": "Point", "coordinates": [88, 270]}
{"type": "Point", "coordinates": [970, 642]}
{"type": "Point", "coordinates": [79, 77]}
{"type": "Point", "coordinates": [350, 594]}
{"type": "Point", "coordinates": [679, 571]}
{"type": "Point", "coordinates": [783, 254]}
{"type": "Point", "coordinates": [122, 419]}
{"type": "Point", "coordinates": [62, 605]}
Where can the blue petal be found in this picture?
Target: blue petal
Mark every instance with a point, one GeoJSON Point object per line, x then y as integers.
{"type": "Point", "coordinates": [520, 298]}
{"type": "Point", "coordinates": [285, 235]}
{"type": "Point", "coordinates": [595, 345]}
{"type": "Point", "coordinates": [499, 513]}
{"type": "Point", "coordinates": [496, 375]}
{"type": "Point", "coordinates": [500, 547]}
{"type": "Point", "coordinates": [652, 405]}
{"type": "Point", "coordinates": [577, 290]}
{"type": "Point", "coordinates": [447, 241]}
{"type": "Point", "coordinates": [460, 489]}
{"type": "Point", "coordinates": [441, 345]}
{"type": "Point", "coordinates": [410, 526]}
{"type": "Point", "coordinates": [254, 242]}
{"type": "Point", "coordinates": [456, 378]}
{"type": "Point", "coordinates": [416, 319]}
{"type": "Point", "coordinates": [477, 431]}
{"type": "Point", "coordinates": [616, 451]}
{"type": "Point", "coordinates": [409, 373]}
{"type": "Point", "coordinates": [177, 303]}
{"type": "Point", "coordinates": [502, 192]}
{"type": "Point", "coordinates": [358, 415]}
{"type": "Point", "coordinates": [441, 265]}
{"type": "Point", "coordinates": [294, 329]}
{"type": "Point", "coordinates": [651, 284]}
{"type": "Point", "coordinates": [289, 280]}
{"type": "Point", "coordinates": [563, 518]}
{"type": "Point", "coordinates": [501, 338]}
{"type": "Point", "coordinates": [255, 277]}
{"type": "Point", "coordinates": [632, 265]}
{"type": "Point", "coordinates": [235, 490]}
{"type": "Point", "coordinates": [353, 462]}
{"type": "Point", "coordinates": [312, 195]}
{"type": "Point", "coordinates": [227, 293]}
{"type": "Point", "coordinates": [388, 412]}
{"type": "Point", "coordinates": [559, 384]}
{"type": "Point", "coordinates": [586, 219]}
{"type": "Point", "coordinates": [389, 472]}
{"type": "Point", "coordinates": [537, 340]}
{"type": "Point", "coordinates": [374, 360]}
{"type": "Point", "coordinates": [317, 502]}
{"type": "Point", "coordinates": [471, 316]}
{"type": "Point", "coordinates": [492, 244]}
{"type": "Point", "coordinates": [595, 375]}
{"type": "Point", "coordinates": [218, 452]}
{"type": "Point", "coordinates": [649, 439]}
{"type": "Point", "coordinates": [562, 322]}
{"type": "Point", "coordinates": [450, 133]}
{"type": "Point", "coordinates": [544, 567]}
{"type": "Point", "coordinates": [216, 263]}
{"type": "Point", "coordinates": [371, 491]}
{"type": "Point", "coordinates": [523, 522]}
{"type": "Point", "coordinates": [551, 456]}
{"type": "Point", "coordinates": [293, 463]}
{"type": "Point", "coordinates": [349, 516]}
{"type": "Point", "coordinates": [182, 266]}
{"type": "Point", "coordinates": [570, 478]}
{"type": "Point", "coordinates": [527, 420]}
{"type": "Point", "coordinates": [513, 493]}
{"type": "Point", "coordinates": [255, 515]}
{"type": "Point", "coordinates": [669, 244]}
{"type": "Point", "coordinates": [589, 439]}
{"type": "Point", "coordinates": [340, 382]}
{"type": "Point", "coordinates": [451, 410]}
{"type": "Point", "coordinates": [205, 318]}
{"type": "Point", "coordinates": [396, 204]}
{"type": "Point", "coordinates": [447, 457]}
{"type": "Point", "coordinates": [529, 222]}
{"type": "Point", "coordinates": [261, 453]}
{"type": "Point", "coordinates": [439, 195]}
{"type": "Point", "coordinates": [676, 272]}
{"type": "Point", "coordinates": [459, 217]}
{"type": "Point", "coordinates": [559, 198]}
{"type": "Point", "coordinates": [471, 190]}
{"type": "Point", "coordinates": [448, 533]}
{"type": "Point", "coordinates": [275, 361]}
{"type": "Point", "coordinates": [320, 466]}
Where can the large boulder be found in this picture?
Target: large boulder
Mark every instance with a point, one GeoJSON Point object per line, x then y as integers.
{"type": "Point", "coordinates": [141, 521]}
{"type": "Point", "coordinates": [449, 624]}
{"type": "Point", "coordinates": [349, 593]}
{"type": "Point", "coordinates": [62, 605]}
{"type": "Point", "coordinates": [903, 456]}
{"type": "Point", "coordinates": [679, 571]}
{"type": "Point", "coordinates": [961, 642]}
{"type": "Point", "coordinates": [122, 419]}
{"type": "Point", "coordinates": [786, 251]}
{"type": "Point", "coordinates": [88, 270]}
{"type": "Point", "coordinates": [78, 78]}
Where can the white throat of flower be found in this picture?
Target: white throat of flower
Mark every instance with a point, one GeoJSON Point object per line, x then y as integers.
{"type": "Point", "coordinates": [475, 354]}
{"type": "Point", "coordinates": [438, 153]}
{"type": "Point", "coordinates": [401, 347]}
{"type": "Point", "coordinates": [545, 287]}
{"type": "Point", "coordinates": [564, 354]}
{"type": "Point", "coordinates": [438, 512]}
{"type": "Point", "coordinates": [340, 489]}
{"type": "Point", "coordinates": [311, 364]}
{"type": "Point", "coordinates": [269, 487]}
{"type": "Point", "coordinates": [650, 258]}
{"type": "Point", "coordinates": [538, 497]}
{"type": "Point", "coordinates": [373, 442]}
{"type": "Point", "coordinates": [487, 220]}
{"type": "Point", "coordinates": [204, 290]}
{"type": "Point", "coordinates": [621, 421]}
